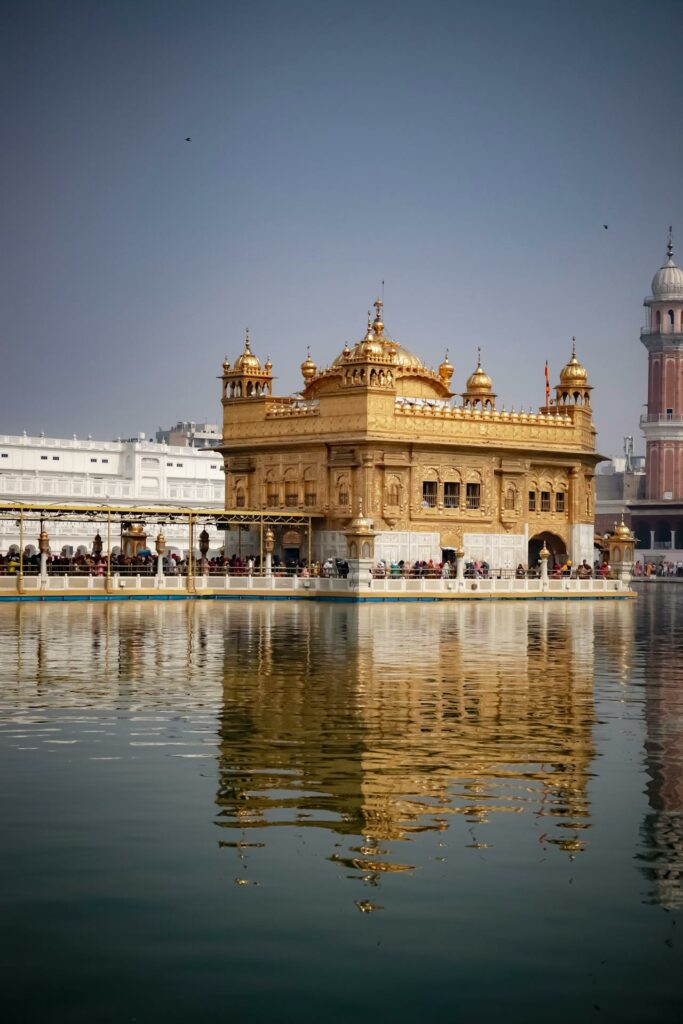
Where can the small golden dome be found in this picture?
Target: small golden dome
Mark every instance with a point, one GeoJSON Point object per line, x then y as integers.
{"type": "Point", "coordinates": [371, 347]}
{"type": "Point", "coordinates": [479, 382]}
{"type": "Point", "coordinates": [621, 530]}
{"type": "Point", "coordinates": [268, 366]}
{"type": "Point", "coordinates": [573, 372]}
{"type": "Point", "coordinates": [446, 369]}
{"type": "Point", "coordinates": [247, 362]}
{"type": "Point", "coordinates": [226, 365]}
{"type": "Point", "coordinates": [308, 367]}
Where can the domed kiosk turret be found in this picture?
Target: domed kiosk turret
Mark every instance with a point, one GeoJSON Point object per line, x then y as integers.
{"type": "Point", "coordinates": [665, 305]}
{"type": "Point", "coordinates": [246, 379]}
{"type": "Point", "coordinates": [478, 393]}
{"type": "Point", "coordinates": [573, 388]}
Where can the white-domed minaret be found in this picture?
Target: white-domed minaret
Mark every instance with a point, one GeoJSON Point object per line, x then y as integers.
{"type": "Point", "coordinates": [663, 423]}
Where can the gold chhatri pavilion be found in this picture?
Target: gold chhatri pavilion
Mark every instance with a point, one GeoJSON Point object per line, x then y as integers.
{"type": "Point", "coordinates": [433, 470]}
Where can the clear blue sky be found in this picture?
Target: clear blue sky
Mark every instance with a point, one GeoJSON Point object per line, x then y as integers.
{"type": "Point", "coordinates": [468, 154]}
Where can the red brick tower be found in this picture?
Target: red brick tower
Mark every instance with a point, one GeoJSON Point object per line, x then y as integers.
{"type": "Point", "coordinates": [663, 424]}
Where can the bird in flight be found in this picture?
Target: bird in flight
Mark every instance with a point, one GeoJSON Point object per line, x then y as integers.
{"type": "Point", "coordinates": [605, 226]}
{"type": "Point", "coordinates": [188, 140]}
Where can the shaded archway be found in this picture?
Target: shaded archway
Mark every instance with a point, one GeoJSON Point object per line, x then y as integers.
{"type": "Point", "coordinates": [555, 545]}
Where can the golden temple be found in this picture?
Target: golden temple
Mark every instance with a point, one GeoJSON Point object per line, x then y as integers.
{"type": "Point", "coordinates": [379, 433]}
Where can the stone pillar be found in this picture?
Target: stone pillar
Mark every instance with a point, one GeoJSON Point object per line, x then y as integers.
{"type": "Point", "coordinates": [460, 564]}
{"type": "Point", "coordinates": [360, 543]}
{"type": "Point", "coordinates": [544, 556]}
{"type": "Point", "coordinates": [673, 540]}
{"type": "Point", "coordinates": [269, 544]}
{"type": "Point", "coordinates": [43, 547]}
{"type": "Point", "coordinates": [161, 547]}
{"type": "Point", "coordinates": [652, 540]}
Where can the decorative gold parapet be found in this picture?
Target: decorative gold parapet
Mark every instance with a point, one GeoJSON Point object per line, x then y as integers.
{"type": "Point", "coordinates": [458, 412]}
{"type": "Point", "coordinates": [292, 407]}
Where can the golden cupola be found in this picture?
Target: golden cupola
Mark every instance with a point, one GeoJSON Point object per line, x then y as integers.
{"type": "Point", "coordinates": [622, 531]}
{"type": "Point", "coordinates": [479, 389]}
{"type": "Point", "coordinates": [308, 368]}
{"type": "Point", "coordinates": [246, 378]}
{"type": "Point", "coordinates": [573, 388]}
{"type": "Point", "coordinates": [247, 362]}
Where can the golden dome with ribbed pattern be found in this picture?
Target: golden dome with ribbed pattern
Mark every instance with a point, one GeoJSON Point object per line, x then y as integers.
{"type": "Point", "coordinates": [247, 362]}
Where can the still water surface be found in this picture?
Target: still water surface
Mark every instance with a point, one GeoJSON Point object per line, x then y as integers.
{"type": "Point", "coordinates": [295, 812]}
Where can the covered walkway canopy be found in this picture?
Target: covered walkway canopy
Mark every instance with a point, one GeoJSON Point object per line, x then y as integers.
{"type": "Point", "coordinates": [222, 519]}
{"type": "Point", "coordinates": [45, 512]}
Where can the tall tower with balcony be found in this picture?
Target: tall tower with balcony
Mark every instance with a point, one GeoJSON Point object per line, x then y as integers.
{"type": "Point", "coordinates": [662, 336]}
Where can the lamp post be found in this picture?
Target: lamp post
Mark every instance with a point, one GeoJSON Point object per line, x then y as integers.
{"type": "Point", "coordinates": [161, 547]}
{"type": "Point", "coordinates": [20, 577]}
{"type": "Point", "coordinates": [204, 549]}
{"type": "Point", "coordinates": [269, 542]}
{"type": "Point", "coordinates": [544, 555]}
{"type": "Point", "coordinates": [43, 547]}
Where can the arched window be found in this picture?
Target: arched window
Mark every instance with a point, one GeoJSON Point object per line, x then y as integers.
{"type": "Point", "coordinates": [250, 389]}
{"type": "Point", "coordinates": [393, 493]}
{"type": "Point", "coordinates": [670, 314]}
{"type": "Point", "coordinates": [510, 496]}
{"type": "Point", "coordinates": [343, 494]}
{"type": "Point", "coordinates": [240, 498]}
{"type": "Point", "coordinates": [291, 493]}
{"type": "Point", "coordinates": [272, 491]}
{"type": "Point", "coordinates": [658, 320]}
{"type": "Point", "coordinates": [310, 492]}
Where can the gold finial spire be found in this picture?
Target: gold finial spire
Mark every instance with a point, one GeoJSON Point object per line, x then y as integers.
{"type": "Point", "coordinates": [446, 369]}
{"type": "Point", "coordinates": [308, 367]}
{"type": "Point", "coordinates": [378, 325]}
{"type": "Point", "coordinates": [573, 347]}
{"type": "Point", "coordinates": [246, 341]}
{"type": "Point", "coordinates": [479, 356]}
{"type": "Point", "coordinates": [670, 245]}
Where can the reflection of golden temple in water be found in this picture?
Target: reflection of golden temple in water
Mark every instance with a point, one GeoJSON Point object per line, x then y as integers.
{"type": "Point", "coordinates": [662, 830]}
{"type": "Point", "coordinates": [490, 713]}
{"type": "Point", "coordinates": [373, 722]}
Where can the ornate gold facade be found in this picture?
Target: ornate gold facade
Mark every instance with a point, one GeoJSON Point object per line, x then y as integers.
{"type": "Point", "coordinates": [433, 470]}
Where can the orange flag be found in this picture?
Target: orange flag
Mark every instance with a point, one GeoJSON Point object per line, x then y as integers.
{"type": "Point", "coordinates": [547, 386]}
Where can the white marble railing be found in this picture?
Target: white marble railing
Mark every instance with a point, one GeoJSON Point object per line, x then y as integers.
{"type": "Point", "coordinates": [313, 585]}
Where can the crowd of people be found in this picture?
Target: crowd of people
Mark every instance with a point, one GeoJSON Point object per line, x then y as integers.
{"type": "Point", "coordinates": [146, 564]}
{"type": "Point", "coordinates": [658, 568]}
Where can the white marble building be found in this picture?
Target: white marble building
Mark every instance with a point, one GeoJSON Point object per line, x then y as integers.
{"type": "Point", "coordinates": [135, 472]}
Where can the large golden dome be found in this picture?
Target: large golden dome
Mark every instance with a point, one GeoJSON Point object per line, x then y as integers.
{"type": "Point", "coordinates": [247, 362]}
{"type": "Point", "coordinates": [573, 372]}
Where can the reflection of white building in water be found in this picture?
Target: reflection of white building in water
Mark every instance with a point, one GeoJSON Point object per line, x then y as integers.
{"type": "Point", "coordinates": [118, 473]}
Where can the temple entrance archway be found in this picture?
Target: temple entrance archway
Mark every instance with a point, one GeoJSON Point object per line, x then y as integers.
{"type": "Point", "coordinates": [555, 545]}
